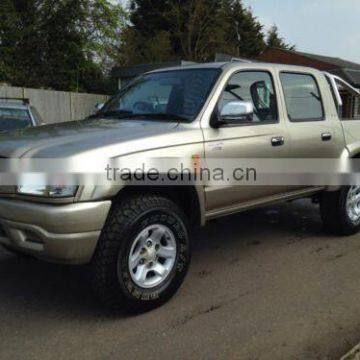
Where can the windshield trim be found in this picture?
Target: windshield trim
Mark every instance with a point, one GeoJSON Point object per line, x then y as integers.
{"type": "Point", "coordinates": [215, 70]}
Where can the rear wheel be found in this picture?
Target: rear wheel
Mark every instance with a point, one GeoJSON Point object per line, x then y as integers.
{"type": "Point", "coordinates": [143, 253]}
{"type": "Point", "coordinates": [340, 210]}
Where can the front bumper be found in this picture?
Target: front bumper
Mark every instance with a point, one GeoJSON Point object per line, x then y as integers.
{"type": "Point", "coordinates": [56, 233]}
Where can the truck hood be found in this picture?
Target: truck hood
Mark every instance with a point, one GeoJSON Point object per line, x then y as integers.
{"type": "Point", "coordinates": [78, 137]}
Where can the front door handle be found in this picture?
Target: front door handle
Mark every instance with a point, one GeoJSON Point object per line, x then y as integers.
{"type": "Point", "coordinates": [277, 141]}
{"type": "Point", "coordinates": [326, 136]}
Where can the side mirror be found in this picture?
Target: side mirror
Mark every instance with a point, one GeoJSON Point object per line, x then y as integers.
{"type": "Point", "coordinates": [236, 111]}
{"type": "Point", "coordinates": [99, 106]}
{"type": "Point", "coordinates": [233, 112]}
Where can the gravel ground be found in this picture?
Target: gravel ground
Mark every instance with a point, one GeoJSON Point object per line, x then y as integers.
{"type": "Point", "coordinates": [267, 284]}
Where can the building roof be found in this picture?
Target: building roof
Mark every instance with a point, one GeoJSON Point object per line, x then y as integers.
{"type": "Point", "coordinates": [348, 70]}
{"type": "Point", "coordinates": [354, 74]}
{"type": "Point", "coordinates": [332, 60]}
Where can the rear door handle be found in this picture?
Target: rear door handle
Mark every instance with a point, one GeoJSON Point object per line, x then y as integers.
{"type": "Point", "coordinates": [277, 141]}
{"type": "Point", "coordinates": [326, 136]}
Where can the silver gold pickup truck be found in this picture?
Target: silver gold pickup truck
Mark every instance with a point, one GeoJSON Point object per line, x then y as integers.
{"type": "Point", "coordinates": [136, 238]}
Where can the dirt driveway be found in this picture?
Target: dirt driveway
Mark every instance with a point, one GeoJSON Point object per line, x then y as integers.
{"type": "Point", "coordinates": [267, 284]}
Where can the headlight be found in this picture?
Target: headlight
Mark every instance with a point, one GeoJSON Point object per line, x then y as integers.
{"type": "Point", "coordinates": [56, 191]}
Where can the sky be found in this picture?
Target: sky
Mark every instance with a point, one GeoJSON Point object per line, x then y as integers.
{"type": "Point", "coordinates": [324, 27]}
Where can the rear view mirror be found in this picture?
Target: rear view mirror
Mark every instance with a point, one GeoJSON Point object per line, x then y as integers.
{"type": "Point", "coordinates": [237, 111]}
{"type": "Point", "coordinates": [233, 112]}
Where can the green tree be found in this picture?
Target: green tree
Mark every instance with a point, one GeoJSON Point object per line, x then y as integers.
{"type": "Point", "coordinates": [168, 29]}
{"type": "Point", "coordinates": [20, 44]}
{"type": "Point", "coordinates": [106, 22]}
{"type": "Point", "coordinates": [243, 33]}
{"type": "Point", "coordinates": [273, 40]}
{"type": "Point", "coordinates": [189, 29]}
{"type": "Point", "coordinates": [136, 48]}
{"type": "Point", "coordinates": [195, 25]}
{"type": "Point", "coordinates": [59, 44]}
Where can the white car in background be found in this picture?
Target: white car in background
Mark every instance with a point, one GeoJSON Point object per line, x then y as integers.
{"type": "Point", "coordinates": [17, 113]}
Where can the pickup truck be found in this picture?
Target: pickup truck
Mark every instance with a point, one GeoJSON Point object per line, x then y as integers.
{"type": "Point", "coordinates": [136, 239]}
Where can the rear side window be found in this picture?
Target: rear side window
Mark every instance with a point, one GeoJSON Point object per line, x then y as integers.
{"type": "Point", "coordinates": [302, 96]}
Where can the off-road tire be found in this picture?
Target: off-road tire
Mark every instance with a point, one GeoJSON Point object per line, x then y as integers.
{"type": "Point", "coordinates": [334, 213]}
{"type": "Point", "coordinates": [109, 267]}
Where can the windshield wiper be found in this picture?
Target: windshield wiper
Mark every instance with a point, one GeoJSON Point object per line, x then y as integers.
{"type": "Point", "coordinates": [127, 114]}
{"type": "Point", "coordinates": [161, 116]}
{"type": "Point", "coordinates": [111, 114]}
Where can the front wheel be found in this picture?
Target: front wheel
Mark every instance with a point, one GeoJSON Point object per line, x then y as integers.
{"type": "Point", "coordinates": [143, 253]}
{"type": "Point", "coordinates": [340, 210]}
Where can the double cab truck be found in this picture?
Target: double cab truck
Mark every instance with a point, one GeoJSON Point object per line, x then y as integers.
{"type": "Point", "coordinates": [136, 239]}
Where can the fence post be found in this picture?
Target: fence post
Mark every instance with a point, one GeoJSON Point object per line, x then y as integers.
{"type": "Point", "coordinates": [71, 107]}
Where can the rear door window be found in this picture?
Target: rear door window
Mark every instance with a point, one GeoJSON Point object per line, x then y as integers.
{"type": "Point", "coordinates": [302, 97]}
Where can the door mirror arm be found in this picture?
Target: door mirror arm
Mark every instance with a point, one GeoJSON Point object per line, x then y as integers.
{"type": "Point", "coordinates": [215, 121]}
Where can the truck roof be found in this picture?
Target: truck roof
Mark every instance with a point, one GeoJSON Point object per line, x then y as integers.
{"type": "Point", "coordinates": [239, 65]}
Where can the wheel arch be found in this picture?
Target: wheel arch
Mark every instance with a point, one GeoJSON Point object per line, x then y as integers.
{"type": "Point", "coordinates": [191, 199]}
{"type": "Point", "coordinates": [350, 152]}
{"type": "Point", "coordinates": [353, 150]}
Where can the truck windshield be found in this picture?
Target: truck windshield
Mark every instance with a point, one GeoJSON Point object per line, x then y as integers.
{"type": "Point", "coordinates": [168, 95]}
{"type": "Point", "coordinates": [12, 119]}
